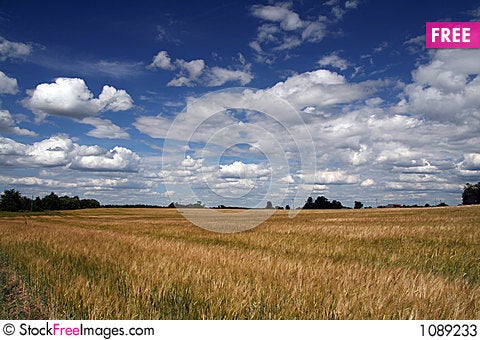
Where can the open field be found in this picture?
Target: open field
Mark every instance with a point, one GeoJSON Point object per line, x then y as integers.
{"type": "Point", "coordinates": [324, 264]}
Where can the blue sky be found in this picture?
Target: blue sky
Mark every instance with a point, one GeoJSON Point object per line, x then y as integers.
{"type": "Point", "coordinates": [237, 102]}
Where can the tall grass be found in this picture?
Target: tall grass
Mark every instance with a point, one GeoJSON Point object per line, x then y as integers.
{"type": "Point", "coordinates": [154, 264]}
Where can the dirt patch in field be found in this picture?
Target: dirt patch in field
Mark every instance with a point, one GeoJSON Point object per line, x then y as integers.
{"type": "Point", "coordinates": [15, 301]}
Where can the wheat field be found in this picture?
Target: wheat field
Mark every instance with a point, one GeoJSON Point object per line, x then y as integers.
{"type": "Point", "coordinates": [324, 264]}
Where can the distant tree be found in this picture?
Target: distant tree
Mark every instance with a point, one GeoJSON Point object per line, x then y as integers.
{"type": "Point", "coordinates": [11, 200]}
{"type": "Point", "coordinates": [269, 205]}
{"type": "Point", "coordinates": [471, 194]}
{"type": "Point", "coordinates": [171, 205]}
{"type": "Point", "coordinates": [287, 207]}
{"type": "Point", "coordinates": [69, 203]}
{"type": "Point", "coordinates": [322, 203]}
{"type": "Point", "coordinates": [309, 204]}
{"type": "Point", "coordinates": [89, 203]}
{"type": "Point", "coordinates": [336, 205]}
{"type": "Point", "coordinates": [358, 205]}
{"type": "Point", "coordinates": [37, 204]}
{"type": "Point", "coordinates": [51, 202]}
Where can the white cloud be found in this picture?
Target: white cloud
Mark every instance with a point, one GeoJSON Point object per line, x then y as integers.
{"type": "Point", "coordinates": [191, 163]}
{"type": "Point", "coordinates": [111, 99]}
{"type": "Point", "coordinates": [352, 4]}
{"type": "Point", "coordinates": [8, 85]}
{"type": "Point", "coordinates": [446, 89]}
{"type": "Point", "coordinates": [70, 97]}
{"type": "Point", "coordinates": [10, 149]}
{"type": "Point", "coordinates": [426, 168]}
{"type": "Point", "coordinates": [8, 125]}
{"type": "Point", "coordinates": [13, 50]}
{"type": "Point", "coordinates": [54, 151]}
{"type": "Point", "coordinates": [189, 72]}
{"type": "Point", "coordinates": [61, 151]}
{"type": "Point", "coordinates": [162, 60]}
{"type": "Point", "coordinates": [196, 72]}
{"type": "Point", "coordinates": [471, 162]}
{"type": "Point", "coordinates": [288, 19]}
{"type": "Point", "coordinates": [331, 177]}
{"type": "Point", "coordinates": [398, 154]}
{"type": "Point", "coordinates": [320, 88]}
{"type": "Point", "coordinates": [116, 159]}
{"type": "Point", "coordinates": [361, 138]}
{"type": "Point", "coordinates": [288, 179]}
{"type": "Point", "coordinates": [218, 76]}
{"type": "Point", "coordinates": [283, 31]}
{"type": "Point", "coordinates": [367, 182]}
{"type": "Point", "coordinates": [415, 44]}
{"type": "Point", "coordinates": [334, 60]}
{"type": "Point", "coordinates": [155, 127]}
{"type": "Point", "coordinates": [104, 128]}
{"type": "Point", "coordinates": [241, 170]}
{"type": "Point", "coordinates": [314, 32]}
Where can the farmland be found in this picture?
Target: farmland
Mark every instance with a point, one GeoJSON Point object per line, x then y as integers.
{"type": "Point", "coordinates": [322, 264]}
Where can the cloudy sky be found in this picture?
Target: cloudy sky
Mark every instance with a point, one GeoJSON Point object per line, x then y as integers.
{"type": "Point", "coordinates": [237, 102]}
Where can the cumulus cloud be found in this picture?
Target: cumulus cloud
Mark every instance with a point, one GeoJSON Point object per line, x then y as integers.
{"type": "Point", "coordinates": [8, 85]}
{"type": "Point", "coordinates": [8, 125]}
{"type": "Point", "coordinates": [239, 170]}
{"type": "Point", "coordinates": [70, 97]}
{"type": "Point", "coordinates": [365, 144]}
{"type": "Point", "coordinates": [192, 163]}
{"type": "Point", "coordinates": [13, 50]}
{"type": "Point", "coordinates": [471, 161]}
{"type": "Point", "coordinates": [9, 149]}
{"type": "Point", "coordinates": [162, 60]}
{"type": "Point", "coordinates": [331, 177]}
{"type": "Point", "coordinates": [319, 89]}
{"type": "Point", "coordinates": [61, 151]}
{"type": "Point", "coordinates": [446, 89]}
{"type": "Point", "coordinates": [51, 152]}
{"type": "Point", "coordinates": [116, 159]}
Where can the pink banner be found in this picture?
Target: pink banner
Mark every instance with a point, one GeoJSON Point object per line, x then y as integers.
{"type": "Point", "coordinates": [452, 35]}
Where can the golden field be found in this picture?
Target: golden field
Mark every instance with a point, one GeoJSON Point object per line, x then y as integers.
{"type": "Point", "coordinates": [322, 264]}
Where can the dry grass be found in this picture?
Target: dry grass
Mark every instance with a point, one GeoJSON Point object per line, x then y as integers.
{"type": "Point", "coordinates": [154, 264]}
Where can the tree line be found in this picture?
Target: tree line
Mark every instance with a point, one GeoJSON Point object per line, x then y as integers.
{"type": "Point", "coordinates": [12, 200]}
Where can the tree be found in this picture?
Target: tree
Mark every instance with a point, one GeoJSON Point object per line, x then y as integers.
{"type": "Point", "coordinates": [287, 207]}
{"type": "Point", "coordinates": [11, 200]}
{"type": "Point", "coordinates": [37, 204]}
{"type": "Point", "coordinates": [309, 204]}
{"type": "Point", "coordinates": [471, 194]}
{"type": "Point", "coordinates": [89, 203]}
{"type": "Point", "coordinates": [269, 205]}
{"type": "Point", "coordinates": [68, 203]}
{"type": "Point", "coordinates": [322, 203]}
{"type": "Point", "coordinates": [358, 205]}
{"type": "Point", "coordinates": [51, 202]}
